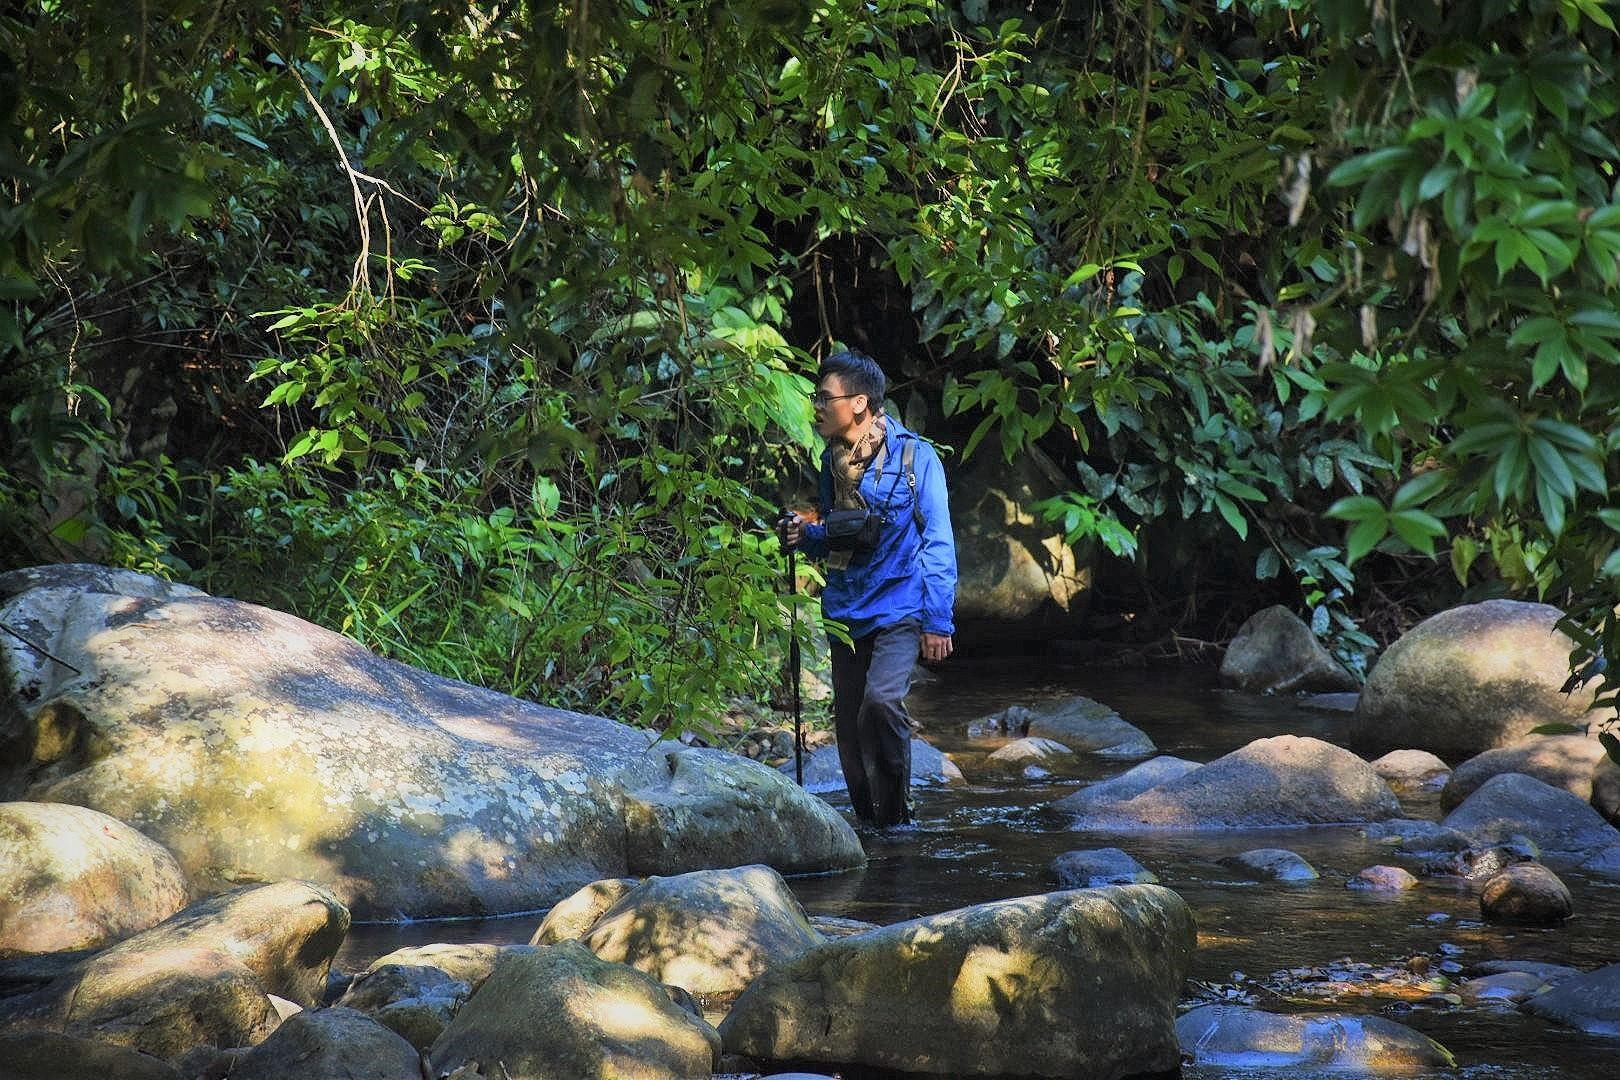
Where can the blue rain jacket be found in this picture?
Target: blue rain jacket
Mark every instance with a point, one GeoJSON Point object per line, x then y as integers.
{"type": "Point", "coordinates": [908, 575]}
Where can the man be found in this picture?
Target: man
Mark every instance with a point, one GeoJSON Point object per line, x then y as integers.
{"type": "Point", "coordinates": [886, 538]}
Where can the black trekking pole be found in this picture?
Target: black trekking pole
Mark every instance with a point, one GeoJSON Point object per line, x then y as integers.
{"type": "Point", "coordinates": [793, 653]}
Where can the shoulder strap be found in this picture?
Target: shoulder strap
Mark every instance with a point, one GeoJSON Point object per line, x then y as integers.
{"type": "Point", "coordinates": [907, 459]}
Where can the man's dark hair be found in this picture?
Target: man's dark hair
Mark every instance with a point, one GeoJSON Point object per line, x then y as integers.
{"type": "Point", "coordinates": [859, 373]}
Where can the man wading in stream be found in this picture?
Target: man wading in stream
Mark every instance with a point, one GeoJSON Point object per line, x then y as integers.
{"type": "Point", "coordinates": [885, 535]}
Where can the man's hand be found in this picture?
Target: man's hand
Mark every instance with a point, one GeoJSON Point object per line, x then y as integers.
{"type": "Point", "coordinates": [936, 646]}
{"type": "Point", "coordinates": [790, 527]}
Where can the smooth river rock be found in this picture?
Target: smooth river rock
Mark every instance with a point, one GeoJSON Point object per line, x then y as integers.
{"type": "Point", "coordinates": [1283, 781]}
{"type": "Point", "coordinates": [1471, 679]}
{"type": "Point", "coordinates": [258, 747]}
{"type": "Point", "coordinates": [1082, 725]}
{"type": "Point", "coordinates": [824, 775]}
{"type": "Point", "coordinates": [1080, 983]}
{"type": "Point", "coordinates": [559, 1011]}
{"type": "Point", "coordinates": [334, 1044]}
{"type": "Point", "coordinates": [1275, 652]}
{"type": "Point", "coordinates": [202, 978]}
{"type": "Point", "coordinates": [1589, 1001]}
{"type": "Point", "coordinates": [1526, 893]}
{"type": "Point", "coordinates": [1513, 805]}
{"type": "Point", "coordinates": [1133, 781]}
{"type": "Point", "coordinates": [1564, 761]}
{"type": "Point", "coordinates": [72, 878]}
{"type": "Point", "coordinates": [1231, 1036]}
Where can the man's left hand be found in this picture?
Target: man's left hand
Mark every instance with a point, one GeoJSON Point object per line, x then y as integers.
{"type": "Point", "coordinates": [936, 646]}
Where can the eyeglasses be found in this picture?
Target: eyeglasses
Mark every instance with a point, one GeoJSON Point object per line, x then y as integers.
{"type": "Point", "coordinates": [820, 399]}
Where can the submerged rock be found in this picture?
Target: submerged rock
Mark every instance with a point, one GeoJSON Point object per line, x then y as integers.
{"type": "Point", "coordinates": [558, 1011]}
{"type": "Point", "coordinates": [1270, 783]}
{"type": "Point", "coordinates": [71, 878]}
{"type": "Point", "coordinates": [1274, 652]}
{"type": "Point", "coordinates": [256, 746]}
{"type": "Point", "coordinates": [1271, 864]}
{"type": "Point", "coordinates": [1080, 983]}
{"type": "Point", "coordinates": [1383, 879]}
{"type": "Point", "coordinates": [1079, 723]}
{"type": "Point", "coordinates": [1471, 679]}
{"type": "Point", "coordinates": [1526, 893]}
{"type": "Point", "coordinates": [1589, 1002]}
{"type": "Point", "coordinates": [1230, 1036]}
{"type": "Point", "coordinates": [1096, 868]}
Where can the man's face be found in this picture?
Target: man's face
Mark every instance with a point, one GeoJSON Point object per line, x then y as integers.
{"type": "Point", "coordinates": [836, 408]}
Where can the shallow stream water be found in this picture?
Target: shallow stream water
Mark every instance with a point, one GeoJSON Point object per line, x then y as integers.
{"type": "Point", "coordinates": [1292, 948]}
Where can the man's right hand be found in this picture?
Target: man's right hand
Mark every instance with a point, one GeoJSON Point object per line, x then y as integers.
{"type": "Point", "coordinates": [790, 527]}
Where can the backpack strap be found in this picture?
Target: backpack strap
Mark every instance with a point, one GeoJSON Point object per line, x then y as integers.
{"type": "Point", "coordinates": [907, 460]}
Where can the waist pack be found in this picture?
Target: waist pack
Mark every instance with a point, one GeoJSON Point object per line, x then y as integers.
{"type": "Point", "coordinates": [859, 529]}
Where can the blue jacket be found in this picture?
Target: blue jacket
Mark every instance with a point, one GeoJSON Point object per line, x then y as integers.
{"type": "Point", "coordinates": [908, 575]}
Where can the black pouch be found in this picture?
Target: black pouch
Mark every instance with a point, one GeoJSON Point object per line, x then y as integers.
{"type": "Point", "coordinates": [852, 530]}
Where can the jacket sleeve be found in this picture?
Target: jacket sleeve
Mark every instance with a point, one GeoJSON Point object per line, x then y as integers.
{"type": "Point", "coordinates": [814, 542]}
{"type": "Point", "coordinates": [938, 557]}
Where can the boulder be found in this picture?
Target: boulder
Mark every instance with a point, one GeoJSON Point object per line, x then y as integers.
{"type": "Point", "coordinates": [51, 1055]}
{"type": "Point", "coordinates": [1232, 1036]}
{"type": "Point", "coordinates": [1564, 761]}
{"type": "Point", "coordinates": [1383, 879]}
{"type": "Point", "coordinates": [1080, 983]}
{"type": "Point", "coordinates": [256, 746]}
{"type": "Point", "coordinates": [1013, 566]}
{"type": "Point", "coordinates": [1274, 652]}
{"type": "Point", "coordinates": [558, 1011]}
{"type": "Point", "coordinates": [1412, 772]}
{"type": "Point", "coordinates": [334, 1044]}
{"type": "Point", "coordinates": [469, 962]}
{"type": "Point", "coordinates": [824, 775]}
{"type": "Point", "coordinates": [1133, 781]}
{"type": "Point", "coordinates": [1589, 1002]}
{"type": "Point", "coordinates": [201, 978]}
{"type": "Point", "coordinates": [1096, 868]}
{"type": "Point", "coordinates": [1283, 781]}
{"type": "Point", "coordinates": [417, 1002]}
{"type": "Point", "coordinates": [1271, 864]}
{"type": "Point", "coordinates": [1512, 806]}
{"type": "Point", "coordinates": [1528, 894]}
{"type": "Point", "coordinates": [710, 932]}
{"type": "Point", "coordinates": [1606, 790]}
{"type": "Point", "coordinates": [573, 916]}
{"type": "Point", "coordinates": [71, 878]}
{"type": "Point", "coordinates": [1471, 679]}
{"type": "Point", "coordinates": [1079, 723]}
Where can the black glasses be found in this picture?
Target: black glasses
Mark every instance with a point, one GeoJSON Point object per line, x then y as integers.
{"type": "Point", "coordinates": [820, 399]}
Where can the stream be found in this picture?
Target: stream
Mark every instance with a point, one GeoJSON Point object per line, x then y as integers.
{"type": "Point", "coordinates": [1300, 947]}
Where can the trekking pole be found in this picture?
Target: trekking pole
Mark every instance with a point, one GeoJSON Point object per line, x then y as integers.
{"type": "Point", "coordinates": [793, 654]}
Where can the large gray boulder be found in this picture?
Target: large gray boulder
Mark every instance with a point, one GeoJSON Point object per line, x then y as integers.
{"type": "Point", "coordinates": [204, 977]}
{"type": "Point", "coordinates": [1014, 568]}
{"type": "Point", "coordinates": [1080, 983]}
{"type": "Point", "coordinates": [1236, 1037]}
{"type": "Point", "coordinates": [1471, 679]}
{"type": "Point", "coordinates": [50, 1055]}
{"type": "Point", "coordinates": [71, 878]}
{"type": "Point", "coordinates": [710, 932]}
{"type": "Point", "coordinates": [1564, 761]}
{"type": "Point", "coordinates": [1133, 781]}
{"type": "Point", "coordinates": [1279, 782]}
{"type": "Point", "coordinates": [1513, 805]}
{"type": "Point", "coordinates": [559, 1011]}
{"type": "Point", "coordinates": [256, 746]}
{"type": "Point", "coordinates": [1274, 652]}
